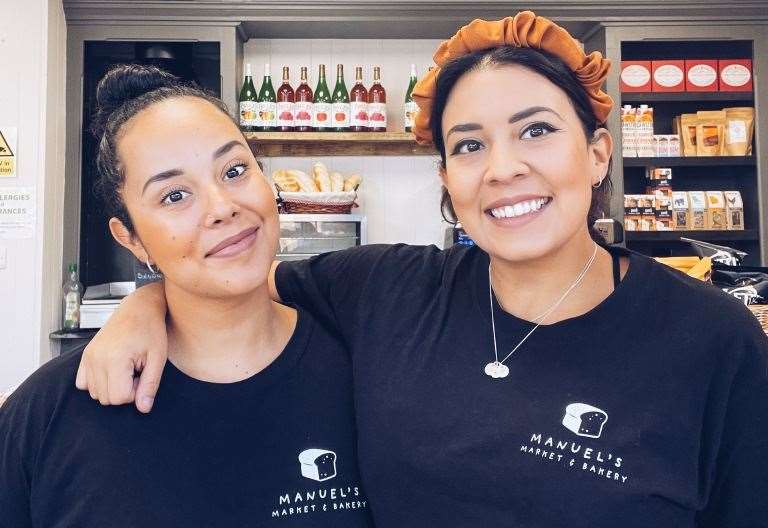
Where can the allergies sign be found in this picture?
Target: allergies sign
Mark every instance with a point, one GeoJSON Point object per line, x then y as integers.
{"type": "Point", "coordinates": [8, 152]}
{"type": "Point", "coordinates": [17, 212]}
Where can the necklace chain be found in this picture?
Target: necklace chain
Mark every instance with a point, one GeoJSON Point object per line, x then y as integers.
{"type": "Point", "coordinates": [539, 320]}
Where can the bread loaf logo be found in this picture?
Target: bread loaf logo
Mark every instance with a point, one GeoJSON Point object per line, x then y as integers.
{"type": "Point", "coordinates": [318, 464]}
{"type": "Point", "coordinates": [584, 420]}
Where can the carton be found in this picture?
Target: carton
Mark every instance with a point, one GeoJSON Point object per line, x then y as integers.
{"type": "Point", "coordinates": [698, 202]}
{"type": "Point", "coordinates": [735, 75]}
{"type": "Point", "coordinates": [734, 210]}
{"type": "Point", "coordinates": [668, 76]}
{"type": "Point", "coordinates": [716, 217]}
{"type": "Point", "coordinates": [701, 75]}
{"type": "Point", "coordinates": [635, 76]}
{"type": "Point", "coordinates": [681, 211]}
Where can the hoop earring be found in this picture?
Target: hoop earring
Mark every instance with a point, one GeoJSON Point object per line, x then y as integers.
{"type": "Point", "coordinates": [149, 266]}
{"type": "Point", "coordinates": [598, 184]}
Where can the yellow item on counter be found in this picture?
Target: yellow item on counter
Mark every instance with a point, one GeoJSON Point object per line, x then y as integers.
{"type": "Point", "coordinates": [698, 268]}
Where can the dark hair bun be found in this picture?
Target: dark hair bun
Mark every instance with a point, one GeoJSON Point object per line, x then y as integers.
{"type": "Point", "coordinates": [123, 83]}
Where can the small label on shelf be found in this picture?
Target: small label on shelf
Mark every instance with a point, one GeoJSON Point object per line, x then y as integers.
{"type": "Point", "coordinates": [377, 115]}
{"type": "Point", "coordinates": [322, 115]}
{"type": "Point", "coordinates": [668, 76]}
{"type": "Point", "coordinates": [249, 114]}
{"type": "Point", "coordinates": [268, 114]}
{"type": "Point", "coordinates": [341, 115]}
{"type": "Point", "coordinates": [302, 114]}
{"type": "Point", "coordinates": [735, 75]}
{"type": "Point", "coordinates": [701, 76]}
{"type": "Point", "coordinates": [635, 76]}
{"type": "Point", "coordinates": [358, 114]}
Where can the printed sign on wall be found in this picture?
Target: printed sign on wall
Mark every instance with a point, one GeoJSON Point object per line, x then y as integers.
{"type": "Point", "coordinates": [17, 212]}
{"type": "Point", "coordinates": [8, 144]}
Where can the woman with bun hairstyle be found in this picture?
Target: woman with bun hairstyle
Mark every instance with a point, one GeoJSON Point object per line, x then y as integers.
{"type": "Point", "coordinates": [254, 425]}
{"type": "Point", "coordinates": [538, 378]}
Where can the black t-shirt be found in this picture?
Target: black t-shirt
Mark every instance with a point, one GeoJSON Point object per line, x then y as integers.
{"type": "Point", "coordinates": [274, 450]}
{"type": "Point", "coordinates": [649, 410]}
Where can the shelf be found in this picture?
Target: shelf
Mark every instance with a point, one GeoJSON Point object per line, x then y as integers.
{"type": "Point", "coordinates": [81, 333]}
{"type": "Point", "coordinates": [676, 97]}
{"type": "Point", "coordinates": [702, 161]}
{"type": "Point", "coordinates": [748, 235]}
{"type": "Point", "coordinates": [309, 144]}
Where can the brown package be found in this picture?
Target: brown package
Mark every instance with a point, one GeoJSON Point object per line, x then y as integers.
{"type": "Point", "coordinates": [710, 132]}
{"type": "Point", "coordinates": [739, 127]}
{"type": "Point", "coordinates": [681, 212]}
{"type": "Point", "coordinates": [698, 201]}
{"type": "Point", "coordinates": [687, 130]}
{"type": "Point", "coordinates": [734, 207]}
{"type": "Point", "coordinates": [716, 217]}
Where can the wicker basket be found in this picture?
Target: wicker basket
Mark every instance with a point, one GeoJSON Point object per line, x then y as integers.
{"type": "Point", "coordinates": [761, 312]}
{"type": "Point", "coordinates": [310, 203]}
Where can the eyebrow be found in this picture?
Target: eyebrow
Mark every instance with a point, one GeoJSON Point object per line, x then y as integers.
{"type": "Point", "coordinates": [172, 173]}
{"type": "Point", "coordinates": [519, 116]}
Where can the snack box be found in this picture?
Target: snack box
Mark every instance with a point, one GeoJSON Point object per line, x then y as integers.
{"type": "Point", "coordinates": [635, 76]}
{"type": "Point", "coordinates": [734, 209]}
{"type": "Point", "coordinates": [735, 75]}
{"type": "Point", "coordinates": [716, 217]}
{"type": "Point", "coordinates": [698, 202]}
{"type": "Point", "coordinates": [668, 76]}
{"type": "Point", "coordinates": [701, 75]}
{"type": "Point", "coordinates": [681, 211]}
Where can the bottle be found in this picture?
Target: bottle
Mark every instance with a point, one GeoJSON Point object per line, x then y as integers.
{"type": "Point", "coordinates": [377, 104]}
{"type": "Point", "coordinates": [303, 112]}
{"type": "Point", "coordinates": [340, 100]}
{"type": "Point", "coordinates": [321, 104]}
{"type": "Point", "coordinates": [285, 103]}
{"type": "Point", "coordinates": [410, 105]}
{"type": "Point", "coordinates": [73, 292]}
{"type": "Point", "coordinates": [267, 103]}
{"type": "Point", "coordinates": [248, 103]}
{"type": "Point", "coordinates": [358, 106]}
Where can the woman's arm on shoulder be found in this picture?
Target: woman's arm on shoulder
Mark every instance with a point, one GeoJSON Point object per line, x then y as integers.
{"type": "Point", "coordinates": [134, 340]}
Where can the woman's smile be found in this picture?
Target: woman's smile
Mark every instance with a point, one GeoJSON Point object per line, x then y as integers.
{"type": "Point", "coordinates": [234, 245]}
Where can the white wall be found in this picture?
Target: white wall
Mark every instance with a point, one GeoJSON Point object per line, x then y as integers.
{"type": "Point", "coordinates": [32, 51]}
{"type": "Point", "coordinates": [399, 195]}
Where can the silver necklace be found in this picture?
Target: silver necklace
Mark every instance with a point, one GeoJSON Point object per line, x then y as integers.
{"type": "Point", "coordinates": [496, 368]}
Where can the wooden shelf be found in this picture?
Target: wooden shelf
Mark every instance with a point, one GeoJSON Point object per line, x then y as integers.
{"type": "Point", "coordinates": [310, 144]}
{"type": "Point", "coordinates": [677, 97]}
{"type": "Point", "coordinates": [702, 161]}
{"type": "Point", "coordinates": [748, 235]}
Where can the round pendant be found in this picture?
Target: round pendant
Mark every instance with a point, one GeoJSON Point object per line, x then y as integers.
{"type": "Point", "coordinates": [496, 370]}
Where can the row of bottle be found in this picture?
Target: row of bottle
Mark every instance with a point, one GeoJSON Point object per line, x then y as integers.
{"type": "Point", "coordinates": [302, 110]}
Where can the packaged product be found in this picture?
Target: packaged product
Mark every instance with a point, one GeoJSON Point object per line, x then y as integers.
{"type": "Point", "coordinates": [739, 127]}
{"type": "Point", "coordinates": [716, 217]}
{"type": "Point", "coordinates": [681, 211]}
{"type": "Point", "coordinates": [734, 210]}
{"type": "Point", "coordinates": [687, 124]}
{"type": "Point", "coordinates": [698, 201]}
{"type": "Point", "coordinates": [746, 283]}
{"type": "Point", "coordinates": [647, 205]}
{"type": "Point", "coordinates": [644, 131]}
{"type": "Point", "coordinates": [663, 213]}
{"type": "Point", "coordinates": [710, 132]}
{"type": "Point", "coordinates": [628, 132]}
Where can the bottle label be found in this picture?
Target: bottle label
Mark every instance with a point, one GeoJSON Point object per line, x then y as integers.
{"type": "Point", "coordinates": [72, 310]}
{"type": "Point", "coordinates": [358, 113]}
{"type": "Point", "coordinates": [268, 114]}
{"type": "Point", "coordinates": [377, 114]}
{"type": "Point", "coordinates": [410, 113]}
{"type": "Point", "coordinates": [249, 113]}
{"type": "Point", "coordinates": [341, 115]}
{"type": "Point", "coordinates": [285, 114]}
{"type": "Point", "coordinates": [302, 114]}
{"type": "Point", "coordinates": [322, 115]}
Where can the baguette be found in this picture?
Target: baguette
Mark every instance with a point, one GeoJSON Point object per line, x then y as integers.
{"type": "Point", "coordinates": [285, 181]}
{"type": "Point", "coordinates": [321, 177]}
{"type": "Point", "coordinates": [337, 182]}
{"type": "Point", "coordinates": [306, 183]}
{"type": "Point", "coordinates": [351, 183]}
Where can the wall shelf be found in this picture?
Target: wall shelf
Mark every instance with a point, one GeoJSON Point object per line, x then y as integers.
{"type": "Point", "coordinates": [702, 161]}
{"type": "Point", "coordinates": [666, 237]}
{"type": "Point", "coordinates": [676, 97]}
{"type": "Point", "coordinates": [310, 144]}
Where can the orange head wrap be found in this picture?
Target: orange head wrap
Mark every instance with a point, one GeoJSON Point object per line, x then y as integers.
{"type": "Point", "coordinates": [524, 30]}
